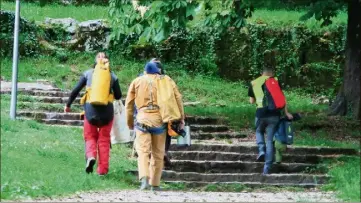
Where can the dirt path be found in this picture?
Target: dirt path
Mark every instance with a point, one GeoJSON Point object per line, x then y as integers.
{"type": "Point", "coordinates": [172, 196]}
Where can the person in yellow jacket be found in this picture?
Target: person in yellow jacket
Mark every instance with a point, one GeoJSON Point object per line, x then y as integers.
{"type": "Point", "coordinates": [149, 127]}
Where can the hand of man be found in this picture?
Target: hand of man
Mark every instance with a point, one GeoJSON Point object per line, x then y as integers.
{"type": "Point", "coordinates": [181, 126]}
{"type": "Point", "coordinates": [289, 116]}
{"type": "Point", "coordinates": [67, 109]}
{"type": "Point", "coordinates": [131, 127]}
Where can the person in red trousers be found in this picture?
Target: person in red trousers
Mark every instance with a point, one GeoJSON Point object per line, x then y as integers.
{"type": "Point", "coordinates": [98, 121]}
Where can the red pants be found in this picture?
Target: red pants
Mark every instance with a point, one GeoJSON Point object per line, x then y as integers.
{"type": "Point", "coordinates": [98, 138]}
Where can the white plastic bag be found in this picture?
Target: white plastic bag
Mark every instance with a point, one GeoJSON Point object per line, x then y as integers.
{"type": "Point", "coordinates": [186, 140]}
{"type": "Point", "coordinates": [120, 132]}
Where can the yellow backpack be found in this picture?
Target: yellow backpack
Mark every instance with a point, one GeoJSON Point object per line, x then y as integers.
{"type": "Point", "coordinates": [100, 86]}
{"type": "Point", "coordinates": [166, 100]}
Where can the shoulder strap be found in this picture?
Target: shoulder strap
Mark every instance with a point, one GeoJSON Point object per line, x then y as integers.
{"type": "Point", "coordinates": [150, 84]}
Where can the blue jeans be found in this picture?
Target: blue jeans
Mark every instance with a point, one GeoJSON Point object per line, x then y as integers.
{"type": "Point", "coordinates": [266, 125]}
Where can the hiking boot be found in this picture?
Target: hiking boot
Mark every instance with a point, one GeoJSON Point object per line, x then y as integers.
{"type": "Point", "coordinates": [261, 157]}
{"type": "Point", "coordinates": [155, 188]}
{"type": "Point", "coordinates": [144, 183]}
{"type": "Point", "coordinates": [90, 162]}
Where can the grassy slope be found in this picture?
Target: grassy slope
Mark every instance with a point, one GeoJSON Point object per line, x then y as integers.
{"type": "Point", "coordinates": [282, 18]}
{"type": "Point", "coordinates": [211, 91]}
{"type": "Point", "coordinates": [39, 160]}
{"type": "Point", "coordinates": [288, 18]}
{"type": "Point", "coordinates": [218, 97]}
{"type": "Point", "coordinates": [33, 12]}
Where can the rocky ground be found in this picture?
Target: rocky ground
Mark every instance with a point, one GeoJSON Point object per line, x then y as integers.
{"type": "Point", "coordinates": [181, 196]}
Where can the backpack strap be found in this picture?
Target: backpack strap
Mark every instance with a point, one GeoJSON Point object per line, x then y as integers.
{"type": "Point", "coordinates": [150, 85]}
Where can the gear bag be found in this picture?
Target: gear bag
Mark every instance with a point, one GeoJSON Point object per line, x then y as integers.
{"type": "Point", "coordinates": [100, 87]}
{"type": "Point", "coordinates": [274, 98]}
{"type": "Point", "coordinates": [166, 101]}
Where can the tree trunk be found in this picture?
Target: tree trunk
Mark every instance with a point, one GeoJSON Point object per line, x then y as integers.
{"type": "Point", "coordinates": [348, 98]}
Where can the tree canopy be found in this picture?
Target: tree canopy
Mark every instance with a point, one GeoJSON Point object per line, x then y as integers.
{"type": "Point", "coordinates": [154, 20]}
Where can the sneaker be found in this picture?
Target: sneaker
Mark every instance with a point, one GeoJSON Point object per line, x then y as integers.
{"type": "Point", "coordinates": [144, 183]}
{"type": "Point", "coordinates": [155, 188]}
{"type": "Point", "coordinates": [266, 170]}
{"type": "Point", "coordinates": [260, 157]}
{"type": "Point", "coordinates": [89, 165]}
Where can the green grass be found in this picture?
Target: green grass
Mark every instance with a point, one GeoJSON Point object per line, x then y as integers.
{"type": "Point", "coordinates": [209, 90]}
{"type": "Point", "coordinates": [43, 161]}
{"type": "Point", "coordinates": [217, 96]}
{"type": "Point", "coordinates": [346, 179]}
{"type": "Point", "coordinates": [282, 17]}
{"type": "Point", "coordinates": [321, 138]}
{"type": "Point", "coordinates": [287, 18]}
{"type": "Point", "coordinates": [33, 11]}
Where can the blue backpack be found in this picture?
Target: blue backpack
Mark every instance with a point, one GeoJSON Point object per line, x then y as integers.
{"type": "Point", "coordinates": [285, 130]}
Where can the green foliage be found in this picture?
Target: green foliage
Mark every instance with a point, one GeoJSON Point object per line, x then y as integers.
{"type": "Point", "coordinates": [281, 4]}
{"type": "Point", "coordinates": [75, 2]}
{"type": "Point", "coordinates": [45, 161]}
{"type": "Point", "coordinates": [156, 23]}
{"type": "Point", "coordinates": [324, 10]}
{"type": "Point", "coordinates": [156, 20]}
{"type": "Point", "coordinates": [28, 43]}
{"type": "Point", "coordinates": [302, 57]}
{"type": "Point", "coordinates": [225, 14]}
{"type": "Point", "coordinates": [194, 51]}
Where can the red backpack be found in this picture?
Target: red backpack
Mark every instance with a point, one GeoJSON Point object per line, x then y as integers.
{"type": "Point", "coordinates": [274, 98]}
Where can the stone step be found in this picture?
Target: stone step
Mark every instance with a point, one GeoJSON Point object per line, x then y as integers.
{"type": "Point", "coordinates": [46, 107]}
{"type": "Point", "coordinates": [49, 115]}
{"type": "Point", "coordinates": [73, 119]}
{"type": "Point", "coordinates": [62, 122]}
{"type": "Point", "coordinates": [203, 120]}
{"type": "Point", "coordinates": [42, 93]}
{"type": "Point", "coordinates": [76, 116]}
{"type": "Point", "coordinates": [254, 150]}
{"type": "Point", "coordinates": [50, 99]}
{"type": "Point", "coordinates": [6, 86]}
{"type": "Point", "coordinates": [231, 156]}
{"type": "Point", "coordinates": [70, 119]}
{"type": "Point", "coordinates": [257, 185]}
{"type": "Point", "coordinates": [209, 128]}
{"type": "Point", "coordinates": [242, 167]}
{"type": "Point", "coordinates": [296, 178]}
{"type": "Point", "coordinates": [217, 135]}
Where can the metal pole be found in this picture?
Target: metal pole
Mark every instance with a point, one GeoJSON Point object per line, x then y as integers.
{"type": "Point", "coordinates": [15, 62]}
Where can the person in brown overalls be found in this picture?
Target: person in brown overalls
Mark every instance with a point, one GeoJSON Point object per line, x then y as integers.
{"type": "Point", "coordinates": [149, 127]}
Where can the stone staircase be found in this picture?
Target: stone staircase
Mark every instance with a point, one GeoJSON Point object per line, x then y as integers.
{"type": "Point", "coordinates": [210, 159]}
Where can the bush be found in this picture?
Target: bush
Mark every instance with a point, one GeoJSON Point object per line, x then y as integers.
{"type": "Point", "coordinates": [28, 41]}
{"type": "Point", "coordinates": [302, 57]}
